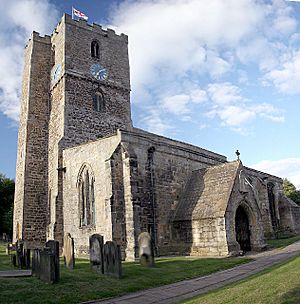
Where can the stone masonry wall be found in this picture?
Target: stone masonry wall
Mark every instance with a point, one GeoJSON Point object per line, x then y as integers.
{"type": "Point", "coordinates": [73, 119]}
{"type": "Point", "coordinates": [172, 164]}
{"type": "Point", "coordinates": [97, 155]}
{"type": "Point", "coordinates": [32, 177]}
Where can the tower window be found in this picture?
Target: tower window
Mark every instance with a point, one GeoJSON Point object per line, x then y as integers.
{"type": "Point", "coordinates": [95, 49]}
{"type": "Point", "coordinates": [98, 102]}
{"type": "Point", "coordinates": [85, 186]}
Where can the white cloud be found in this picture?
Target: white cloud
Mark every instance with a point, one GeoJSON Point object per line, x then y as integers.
{"type": "Point", "coordinates": [289, 168]}
{"type": "Point", "coordinates": [153, 122]}
{"type": "Point", "coordinates": [234, 110]}
{"type": "Point", "coordinates": [170, 40]}
{"type": "Point", "coordinates": [287, 76]}
{"type": "Point", "coordinates": [21, 17]}
{"type": "Point", "coordinates": [224, 93]}
{"type": "Point", "coordinates": [176, 104]}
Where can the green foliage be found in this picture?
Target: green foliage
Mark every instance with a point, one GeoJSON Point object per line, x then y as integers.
{"type": "Point", "coordinates": [82, 284]}
{"type": "Point", "coordinates": [290, 191]}
{"type": "Point", "coordinates": [7, 190]}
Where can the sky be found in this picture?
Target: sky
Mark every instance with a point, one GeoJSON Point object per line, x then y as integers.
{"type": "Point", "coordinates": [222, 75]}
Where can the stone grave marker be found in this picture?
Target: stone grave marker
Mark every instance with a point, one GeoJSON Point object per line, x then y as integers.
{"type": "Point", "coordinates": [20, 253]}
{"type": "Point", "coordinates": [26, 255]}
{"type": "Point", "coordinates": [112, 259]}
{"type": "Point", "coordinates": [54, 247]}
{"type": "Point", "coordinates": [69, 251]}
{"type": "Point", "coordinates": [96, 252]}
{"type": "Point", "coordinates": [146, 252]}
{"type": "Point", "coordinates": [36, 262]}
{"type": "Point", "coordinates": [47, 266]}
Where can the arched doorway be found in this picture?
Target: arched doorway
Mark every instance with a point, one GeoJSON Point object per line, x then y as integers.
{"type": "Point", "coordinates": [242, 229]}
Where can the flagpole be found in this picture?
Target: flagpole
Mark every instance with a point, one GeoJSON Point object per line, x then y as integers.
{"type": "Point", "coordinates": [72, 12]}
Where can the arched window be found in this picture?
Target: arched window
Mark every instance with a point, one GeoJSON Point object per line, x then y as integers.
{"type": "Point", "coordinates": [98, 102]}
{"type": "Point", "coordinates": [95, 49]}
{"type": "Point", "coordinates": [272, 208]}
{"type": "Point", "coordinates": [86, 195]}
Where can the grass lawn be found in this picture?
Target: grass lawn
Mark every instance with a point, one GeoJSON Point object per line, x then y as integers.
{"type": "Point", "coordinates": [82, 284]}
{"type": "Point", "coordinates": [276, 285]}
{"type": "Point", "coordinates": [283, 242]}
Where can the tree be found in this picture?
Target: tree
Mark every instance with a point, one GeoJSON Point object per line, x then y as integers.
{"type": "Point", "coordinates": [7, 190]}
{"type": "Point", "coordinates": [290, 191]}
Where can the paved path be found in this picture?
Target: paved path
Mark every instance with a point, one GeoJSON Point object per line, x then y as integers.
{"type": "Point", "coordinates": [15, 273]}
{"type": "Point", "coordinates": [176, 292]}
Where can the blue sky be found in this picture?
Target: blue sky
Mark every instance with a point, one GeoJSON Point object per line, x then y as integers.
{"type": "Point", "coordinates": [222, 75]}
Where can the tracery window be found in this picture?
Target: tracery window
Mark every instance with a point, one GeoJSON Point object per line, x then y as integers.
{"type": "Point", "coordinates": [95, 49]}
{"type": "Point", "coordinates": [86, 195]}
{"type": "Point", "coordinates": [98, 102]}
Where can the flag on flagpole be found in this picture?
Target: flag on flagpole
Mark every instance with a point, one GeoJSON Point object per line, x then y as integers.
{"type": "Point", "coordinates": [79, 14]}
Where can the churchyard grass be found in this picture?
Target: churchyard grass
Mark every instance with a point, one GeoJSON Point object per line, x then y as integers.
{"type": "Point", "coordinates": [82, 284]}
{"type": "Point", "coordinates": [276, 285]}
{"type": "Point", "coordinates": [283, 242]}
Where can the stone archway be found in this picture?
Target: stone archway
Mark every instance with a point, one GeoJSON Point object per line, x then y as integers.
{"type": "Point", "coordinates": [242, 229]}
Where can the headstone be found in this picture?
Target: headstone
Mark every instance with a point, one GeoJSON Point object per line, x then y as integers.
{"type": "Point", "coordinates": [26, 256]}
{"type": "Point", "coordinates": [112, 259]}
{"type": "Point", "coordinates": [47, 266]}
{"type": "Point", "coordinates": [69, 251]}
{"type": "Point", "coordinates": [96, 252]}
{"type": "Point", "coordinates": [4, 237]}
{"type": "Point", "coordinates": [36, 262]}
{"type": "Point", "coordinates": [146, 252]}
{"type": "Point", "coordinates": [54, 247]}
{"type": "Point", "coordinates": [13, 258]}
{"type": "Point", "coordinates": [20, 254]}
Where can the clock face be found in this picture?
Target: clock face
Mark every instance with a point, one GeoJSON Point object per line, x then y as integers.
{"type": "Point", "coordinates": [56, 73]}
{"type": "Point", "coordinates": [99, 72]}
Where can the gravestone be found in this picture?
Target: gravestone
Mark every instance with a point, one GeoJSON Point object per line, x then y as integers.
{"type": "Point", "coordinates": [96, 252]}
{"type": "Point", "coordinates": [54, 247]}
{"type": "Point", "coordinates": [47, 266]}
{"type": "Point", "coordinates": [36, 262]}
{"type": "Point", "coordinates": [26, 256]}
{"type": "Point", "coordinates": [69, 251]}
{"type": "Point", "coordinates": [20, 254]}
{"type": "Point", "coordinates": [146, 252]}
{"type": "Point", "coordinates": [112, 259]}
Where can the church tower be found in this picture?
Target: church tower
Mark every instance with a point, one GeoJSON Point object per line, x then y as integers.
{"type": "Point", "coordinates": [76, 88]}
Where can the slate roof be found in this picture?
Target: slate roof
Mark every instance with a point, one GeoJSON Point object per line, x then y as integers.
{"type": "Point", "coordinates": [207, 192]}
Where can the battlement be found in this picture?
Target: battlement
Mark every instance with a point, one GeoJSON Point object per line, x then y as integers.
{"type": "Point", "coordinates": [83, 24]}
{"type": "Point", "coordinates": [35, 36]}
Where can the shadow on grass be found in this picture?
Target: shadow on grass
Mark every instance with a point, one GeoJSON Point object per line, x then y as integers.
{"type": "Point", "coordinates": [291, 297]}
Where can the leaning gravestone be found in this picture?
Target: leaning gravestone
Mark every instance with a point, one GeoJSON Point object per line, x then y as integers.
{"type": "Point", "coordinates": [47, 266]}
{"type": "Point", "coordinates": [112, 259]}
{"type": "Point", "coordinates": [146, 252]}
{"type": "Point", "coordinates": [54, 247]}
{"type": "Point", "coordinates": [96, 252]}
{"type": "Point", "coordinates": [69, 251]}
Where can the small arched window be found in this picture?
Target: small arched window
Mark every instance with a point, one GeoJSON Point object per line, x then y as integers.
{"type": "Point", "coordinates": [95, 49]}
{"type": "Point", "coordinates": [98, 102]}
{"type": "Point", "coordinates": [86, 196]}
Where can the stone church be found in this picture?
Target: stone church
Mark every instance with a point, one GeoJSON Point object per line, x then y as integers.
{"type": "Point", "coordinates": [82, 167]}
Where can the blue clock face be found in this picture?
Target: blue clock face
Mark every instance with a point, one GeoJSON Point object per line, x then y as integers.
{"type": "Point", "coordinates": [99, 72]}
{"type": "Point", "coordinates": [56, 72]}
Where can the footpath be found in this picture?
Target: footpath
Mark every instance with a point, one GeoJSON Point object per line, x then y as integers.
{"type": "Point", "coordinates": [174, 293]}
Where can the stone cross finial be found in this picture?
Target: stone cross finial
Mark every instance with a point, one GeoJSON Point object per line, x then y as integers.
{"type": "Point", "coordinates": [237, 152]}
